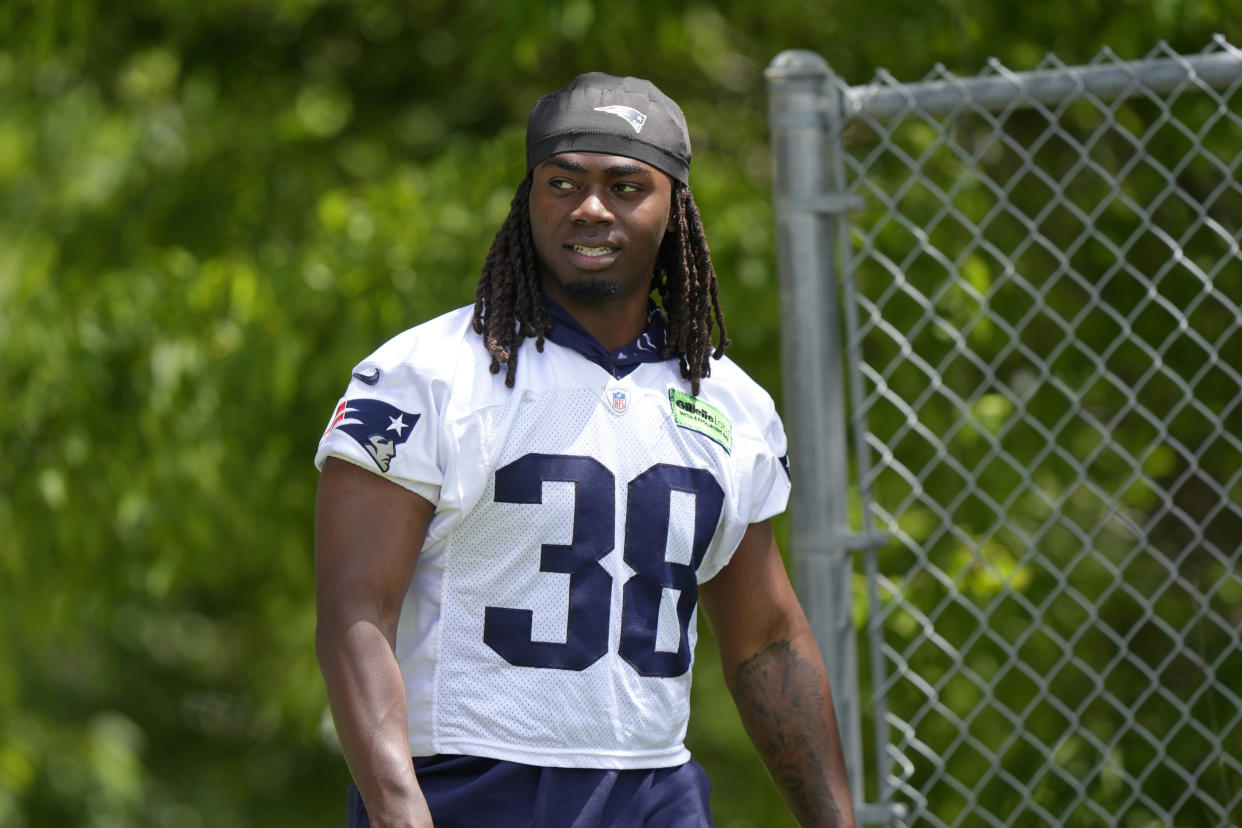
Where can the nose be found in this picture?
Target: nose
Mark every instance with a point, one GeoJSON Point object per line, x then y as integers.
{"type": "Point", "coordinates": [592, 209]}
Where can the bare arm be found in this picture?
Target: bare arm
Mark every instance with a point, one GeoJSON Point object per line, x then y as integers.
{"type": "Point", "coordinates": [368, 533]}
{"type": "Point", "coordinates": [773, 668]}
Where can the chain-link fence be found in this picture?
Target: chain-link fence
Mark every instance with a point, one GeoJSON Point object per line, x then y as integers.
{"type": "Point", "coordinates": [1027, 288]}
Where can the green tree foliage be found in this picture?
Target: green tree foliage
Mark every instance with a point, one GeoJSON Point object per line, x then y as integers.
{"type": "Point", "coordinates": [207, 213]}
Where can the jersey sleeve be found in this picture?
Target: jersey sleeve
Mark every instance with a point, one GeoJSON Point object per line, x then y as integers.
{"type": "Point", "coordinates": [770, 479]}
{"type": "Point", "coordinates": [388, 422]}
{"type": "Point", "coordinates": [760, 473]}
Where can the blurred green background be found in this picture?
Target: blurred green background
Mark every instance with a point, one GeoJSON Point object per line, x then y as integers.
{"type": "Point", "coordinates": [208, 214]}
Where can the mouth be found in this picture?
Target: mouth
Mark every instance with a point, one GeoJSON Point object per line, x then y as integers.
{"type": "Point", "coordinates": [593, 251]}
{"type": "Point", "coordinates": [592, 256]}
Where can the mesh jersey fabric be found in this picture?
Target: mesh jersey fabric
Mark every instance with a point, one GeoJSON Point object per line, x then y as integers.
{"type": "Point", "coordinates": [551, 616]}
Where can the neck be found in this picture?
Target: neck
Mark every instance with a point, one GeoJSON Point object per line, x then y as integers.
{"type": "Point", "coordinates": [614, 319]}
{"type": "Point", "coordinates": [614, 322]}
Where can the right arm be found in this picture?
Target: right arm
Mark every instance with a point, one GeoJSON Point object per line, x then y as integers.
{"type": "Point", "coordinates": [774, 670]}
{"type": "Point", "coordinates": [368, 533]}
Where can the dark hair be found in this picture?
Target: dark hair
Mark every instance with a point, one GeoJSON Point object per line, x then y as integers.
{"type": "Point", "coordinates": [508, 305]}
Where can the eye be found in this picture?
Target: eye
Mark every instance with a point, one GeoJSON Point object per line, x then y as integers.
{"type": "Point", "coordinates": [628, 187]}
{"type": "Point", "coordinates": [560, 184]}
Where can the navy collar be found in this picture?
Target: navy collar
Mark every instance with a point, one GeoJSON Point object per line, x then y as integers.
{"type": "Point", "coordinates": [648, 347]}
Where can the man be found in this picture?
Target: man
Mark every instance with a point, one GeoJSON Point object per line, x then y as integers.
{"type": "Point", "coordinates": [509, 566]}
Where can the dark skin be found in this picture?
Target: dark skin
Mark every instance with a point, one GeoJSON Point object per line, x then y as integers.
{"type": "Point", "coordinates": [773, 669]}
{"type": "Point", "coordinates": [597, 221]}
{"type": "Point", "coordinates": [368, 532]}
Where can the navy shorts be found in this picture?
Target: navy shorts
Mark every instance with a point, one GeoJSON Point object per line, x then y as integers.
{"type": "Point", "coordinates": [470, 792]}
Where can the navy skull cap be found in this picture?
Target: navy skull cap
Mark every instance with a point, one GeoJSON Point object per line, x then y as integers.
{"type": "Point", "coordinates": [625, 116]}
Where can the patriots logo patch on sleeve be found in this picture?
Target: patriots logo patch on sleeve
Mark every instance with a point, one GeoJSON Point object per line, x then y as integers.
{"type": "Point", "coordinates": [376, 425]}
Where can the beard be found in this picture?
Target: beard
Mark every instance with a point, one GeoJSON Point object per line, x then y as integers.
{"type": "Point", "coordinates": [591, 289]}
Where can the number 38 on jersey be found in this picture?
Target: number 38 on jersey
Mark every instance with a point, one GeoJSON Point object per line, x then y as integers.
{"type": "Point", "coordinates": [652, 498]}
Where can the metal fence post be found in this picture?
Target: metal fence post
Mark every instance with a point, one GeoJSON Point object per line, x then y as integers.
{"type": "Point", "coordinates": [804, 117]}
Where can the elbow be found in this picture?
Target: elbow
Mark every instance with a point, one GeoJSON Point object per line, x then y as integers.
{"type": "Point", "coordinates": [780, 631]}
{"type": "Point", "coordinates": [786, 623]}
{"type": "Point", "coordinates": [342, 627]}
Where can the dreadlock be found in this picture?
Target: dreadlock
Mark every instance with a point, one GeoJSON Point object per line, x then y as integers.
{"type": "Point", "coordinates": [508, 305]}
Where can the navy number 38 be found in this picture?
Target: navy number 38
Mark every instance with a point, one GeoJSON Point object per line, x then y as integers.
{"type": "Point", "coordinates": [649, 497]}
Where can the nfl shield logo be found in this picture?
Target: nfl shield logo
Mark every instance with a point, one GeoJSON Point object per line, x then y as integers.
{"type": "Point", "coordinates": [620, 401]}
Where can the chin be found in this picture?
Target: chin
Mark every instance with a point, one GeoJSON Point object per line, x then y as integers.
{"type": "Point", "coordinates": [588, 289]}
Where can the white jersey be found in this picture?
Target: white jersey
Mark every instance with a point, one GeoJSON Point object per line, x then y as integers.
{"type": "Point", "coordinates": [551, 616]}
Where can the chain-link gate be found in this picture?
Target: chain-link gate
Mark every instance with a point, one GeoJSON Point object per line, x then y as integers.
{"type": "Point", "coordinates": [1023, 294]}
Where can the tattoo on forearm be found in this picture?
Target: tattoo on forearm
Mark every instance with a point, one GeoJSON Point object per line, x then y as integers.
{"type": "Point", "coordinates": [782, 705]}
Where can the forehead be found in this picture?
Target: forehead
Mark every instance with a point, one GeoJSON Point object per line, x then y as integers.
{"type": "Point", "coordinates": [601, 163]}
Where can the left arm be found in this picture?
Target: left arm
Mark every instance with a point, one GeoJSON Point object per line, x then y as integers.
{"type": "Point", "coordinates": [773, 668]}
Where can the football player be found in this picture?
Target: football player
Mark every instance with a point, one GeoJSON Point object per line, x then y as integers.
{"type": "Point", "coordinates": [524, 503]}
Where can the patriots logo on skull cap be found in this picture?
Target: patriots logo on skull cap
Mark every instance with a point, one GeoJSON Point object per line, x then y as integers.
{"type": "Point", "coordinates": [376, 425]}
{"type": "Point", "coordinates": [635, 118]}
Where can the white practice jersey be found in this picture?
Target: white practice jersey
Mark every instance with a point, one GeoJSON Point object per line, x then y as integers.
{"type": "Point", "coordinates": [551, 616]}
